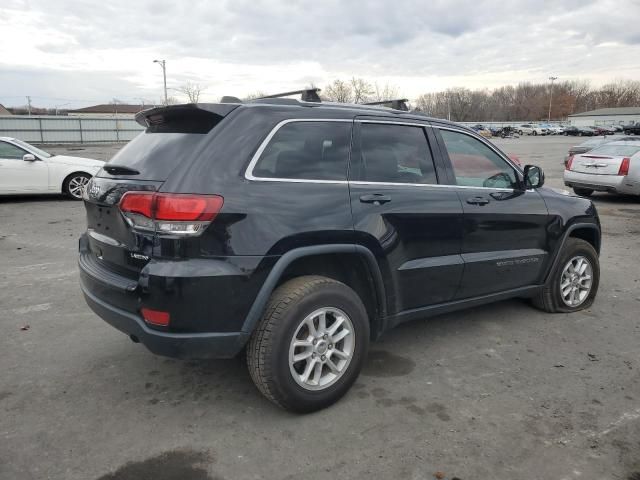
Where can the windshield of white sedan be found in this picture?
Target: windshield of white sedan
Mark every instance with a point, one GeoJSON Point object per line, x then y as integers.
{"type": "Point", "coordinates": [618, 150]}
{"type": "Point", "coordinates": [32, 149]}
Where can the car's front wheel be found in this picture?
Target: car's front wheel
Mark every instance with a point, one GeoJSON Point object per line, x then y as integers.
{"type": "Point", "coordinates": [310, 345]}
{"type": "Point", "coordinates": [583, 192]}
{"type": "Point", "coordinates": [573, 284]}
{"type": "Point", "coordinates": [74, 185]}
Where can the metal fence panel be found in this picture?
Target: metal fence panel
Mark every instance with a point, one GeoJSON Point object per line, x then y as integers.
{"type": "Point", "coordinates": [59, 129]}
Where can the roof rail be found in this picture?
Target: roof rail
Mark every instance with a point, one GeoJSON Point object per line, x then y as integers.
{"type": "Point", "coordinates": [308, 95]}
{"type": "Point", "coordinates": [396, 104]}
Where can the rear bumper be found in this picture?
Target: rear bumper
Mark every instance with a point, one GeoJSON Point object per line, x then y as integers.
{"type": "Point", "coordinates": [602, 183]}
{"type": "Point", "coordinates": [178, 345]}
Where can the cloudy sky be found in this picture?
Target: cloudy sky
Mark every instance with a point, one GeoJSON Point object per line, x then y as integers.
{"type": "Point", "coordinates": [85, 52]}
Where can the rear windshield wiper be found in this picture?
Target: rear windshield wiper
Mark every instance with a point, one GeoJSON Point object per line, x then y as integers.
{"type": "Point", "coordinates": [120, 170]}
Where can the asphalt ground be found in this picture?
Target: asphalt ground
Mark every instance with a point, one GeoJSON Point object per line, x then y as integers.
{"type": "Point", "coordinates": [498, 392]}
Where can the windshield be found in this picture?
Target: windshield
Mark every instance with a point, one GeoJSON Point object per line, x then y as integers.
{"type": "Point", "coordinates": [32, 149]}
{"type": "Point", "coordinates": [618, 150]}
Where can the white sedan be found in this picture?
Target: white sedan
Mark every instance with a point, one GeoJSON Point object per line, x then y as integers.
{"type": "Point", "coordinates": [26, 169]}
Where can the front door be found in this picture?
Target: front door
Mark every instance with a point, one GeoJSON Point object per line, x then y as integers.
{"type": "Point", "coordinates": [18, 175]}
{"type": "Point", "coordinates": [410, 222]}
{"type": "Point", "coordinates": [504, 244]}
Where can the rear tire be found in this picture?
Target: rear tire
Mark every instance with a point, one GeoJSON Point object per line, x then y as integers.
{"type": "Point", "coordinates": [73, 186]}
{"type": "Point", "coordinates": [576, 252]}
{"type": "Point", "coordinates": [284, 334]}
{"type": "Point", "coordinates": [583, 192]}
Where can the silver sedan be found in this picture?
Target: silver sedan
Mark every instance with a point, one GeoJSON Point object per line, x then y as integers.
{"type": "Point", "coordinates": [613, 167]}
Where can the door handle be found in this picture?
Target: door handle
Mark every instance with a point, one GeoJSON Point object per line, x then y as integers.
{"type": "Point", "coordinates": [477, 200]}
{"type": "Point", "coordinates": [375, 198]}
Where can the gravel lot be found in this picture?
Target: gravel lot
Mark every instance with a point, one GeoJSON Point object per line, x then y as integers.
{"type": "Point", "coordinates": [498, 392]}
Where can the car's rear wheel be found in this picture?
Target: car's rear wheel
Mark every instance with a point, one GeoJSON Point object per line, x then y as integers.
{"type": "Point", "coordinates": [583, 192]}
{"type": "Point", "coordinates": [534, 133]}
{"type": "Point", "coordinates": [74, 185]}
{"type": "Point", "coordinates": [310, 344]}
{"type": "Point", "coordinates": [573, 284]}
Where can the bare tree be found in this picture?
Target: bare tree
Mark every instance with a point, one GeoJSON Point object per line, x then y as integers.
{"type": "Point", "coordinates": [254, 95]}
{"type": "Point", "coordinates": [338, 91]}
{"type": "Point", "coordinates": [361, 90]}
{"type": "Point", "coordinates": [192, 91]}
{"type": "Point", "coordinates": [387, 92]}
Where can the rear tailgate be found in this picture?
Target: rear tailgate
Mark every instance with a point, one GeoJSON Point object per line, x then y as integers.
{"type": "Point", "coordinates": [174, 137]}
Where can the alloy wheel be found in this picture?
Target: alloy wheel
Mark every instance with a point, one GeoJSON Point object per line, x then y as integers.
{"type": "Point", "coordinates": [576, 281]}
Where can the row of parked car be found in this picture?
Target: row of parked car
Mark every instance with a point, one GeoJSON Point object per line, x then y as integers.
{"type": "Point", "coordinates": [548, 129]}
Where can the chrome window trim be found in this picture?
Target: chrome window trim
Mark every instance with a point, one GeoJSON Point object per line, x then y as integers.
{"type": "Point", "coordinates": [435, 185]}
{"type": "Point", "coordinates": [248, 174]}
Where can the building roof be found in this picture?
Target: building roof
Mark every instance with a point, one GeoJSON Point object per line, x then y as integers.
{"type": "Point", "coordinates": [4, 111]}
{"type": "Point", "coordinates": [111, 108]}
{"type": "Point", "coordinates": [609, 111]}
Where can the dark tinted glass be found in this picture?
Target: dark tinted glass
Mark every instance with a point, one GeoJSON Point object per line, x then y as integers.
{"type": "Point", "coordinates": [155, 155]}
{"type": "Point", "coordinates": [307, 151]}
{"type": "Point", "coordinates": [395, 154]}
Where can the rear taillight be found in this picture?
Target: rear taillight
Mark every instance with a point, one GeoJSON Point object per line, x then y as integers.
{"type": "Point", "coordinates": [569, 162]}
{"type": "Point", "coordinates": [171, 213]}
{"type": "Point", "coordinates": [624, 166]}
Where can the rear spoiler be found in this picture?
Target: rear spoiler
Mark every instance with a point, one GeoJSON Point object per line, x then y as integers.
{"type": "Point", "coordinates": [157, 115]}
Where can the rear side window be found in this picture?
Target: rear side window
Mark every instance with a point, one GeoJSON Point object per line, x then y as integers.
{"type": "Point", "coordinates": [394, 154]}
{"type": "Point", "coordinates": [307, 151]}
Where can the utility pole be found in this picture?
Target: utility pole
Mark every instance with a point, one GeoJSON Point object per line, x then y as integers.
{"type": "Point", "coordinates": [448, 107]}
{"type": "Point", "coordinates": [29, 104]}
{"type": "Point", "coordinates": [551, 95]}
{"type": "Point", "coordinates": [163, 64]}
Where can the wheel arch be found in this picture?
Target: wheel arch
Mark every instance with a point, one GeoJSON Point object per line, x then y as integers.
{"type": "Point", "coordinates": [351, 264]}
{"type": "Point", "coordinates": [589, 232]}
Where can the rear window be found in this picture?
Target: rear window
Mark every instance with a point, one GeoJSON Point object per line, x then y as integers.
{"type": "Point", "coordinates": [171, 137]}
{"type": "Point", "coordinates": [617, 150]}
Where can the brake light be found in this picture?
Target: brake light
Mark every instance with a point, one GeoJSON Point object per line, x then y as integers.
{"type": "Point", "coordinates": [569, 162]}
{"type": "Point", "coordinates": [175, 213]}
{"type": "Point", "coordinates": [624, 166]}
{"type": "Point", "coordinates": [155, 317]}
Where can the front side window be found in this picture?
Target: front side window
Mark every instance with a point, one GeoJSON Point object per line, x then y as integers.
{"type": "Point", "coordinates": [10, 152]}
{"type": "Point", "coordinates": [395, 154]}
{"type": "Point", "coordinates": [475, 164]}
{"type": "Point", "coordinates": [307, 151]}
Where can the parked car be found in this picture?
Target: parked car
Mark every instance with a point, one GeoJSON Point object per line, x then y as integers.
{"type": "Point", "coordinates": [25, 169]}
{"type": "Point", "coordinates": [613, 167]}
{"type": "Point", "coordinates": [618, 128]}
{"type": "Point", "coordinates": [604, 130]}
{"type": "Point", "coordinates": [592, 143]}
{"type": "Point", "coordinates": [633, 129]}
{"type": "Point", "coordinates": [579, 131]}
{"type": "Point", "coordinates": [297, 235]}
{"type": "Point", "coordinates": [531, 129]}
{"type": "Point", "coordinates": [482, 130]}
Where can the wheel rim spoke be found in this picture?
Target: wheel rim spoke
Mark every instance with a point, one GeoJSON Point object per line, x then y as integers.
{"type": "Point", "coordinates": [576, 281]}
{"type": "Point", "coordinates": [321, 348]}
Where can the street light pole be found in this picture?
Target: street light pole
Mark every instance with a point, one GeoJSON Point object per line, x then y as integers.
{"type": "Point", "coordinates": [163, 64]}
{"type": "Point", "coordinates": [551, 95]}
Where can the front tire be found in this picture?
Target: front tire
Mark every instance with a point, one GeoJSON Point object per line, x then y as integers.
{"type": "Point", "coordinates": [583, 192]}
{"type": "Point", "coordinates": [310, 345]}
{"type": "Point", "coordinates": [74, 185]}
{"type": "Point", "coordinates": [573, 284]}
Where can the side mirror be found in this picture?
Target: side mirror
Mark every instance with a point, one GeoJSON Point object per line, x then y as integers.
{"type": "Point", "coordinates": [533, 177]}
{"type": "Point", "coordinates": [29, 157]}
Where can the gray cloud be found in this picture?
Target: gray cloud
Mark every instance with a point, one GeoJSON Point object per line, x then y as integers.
{"type": "Point", "coordinates": [403, 39]}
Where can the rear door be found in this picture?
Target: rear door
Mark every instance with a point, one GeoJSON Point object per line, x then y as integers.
{"type": "Point", "coordinates": [402, 213]}
{"type": "Point", "coordinates": [504, 243]}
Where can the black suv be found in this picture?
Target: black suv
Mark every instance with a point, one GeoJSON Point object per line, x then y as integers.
{"type": "Point", "coordinates": [299, 231]}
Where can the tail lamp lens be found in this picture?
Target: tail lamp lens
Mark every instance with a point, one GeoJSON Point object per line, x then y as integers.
{"type": "Point", "coordinates": [624, 166]}
{"type": "Point", "coordinates": [569, 162]}
{"type": "Point", "coordinates": [171, 213]}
